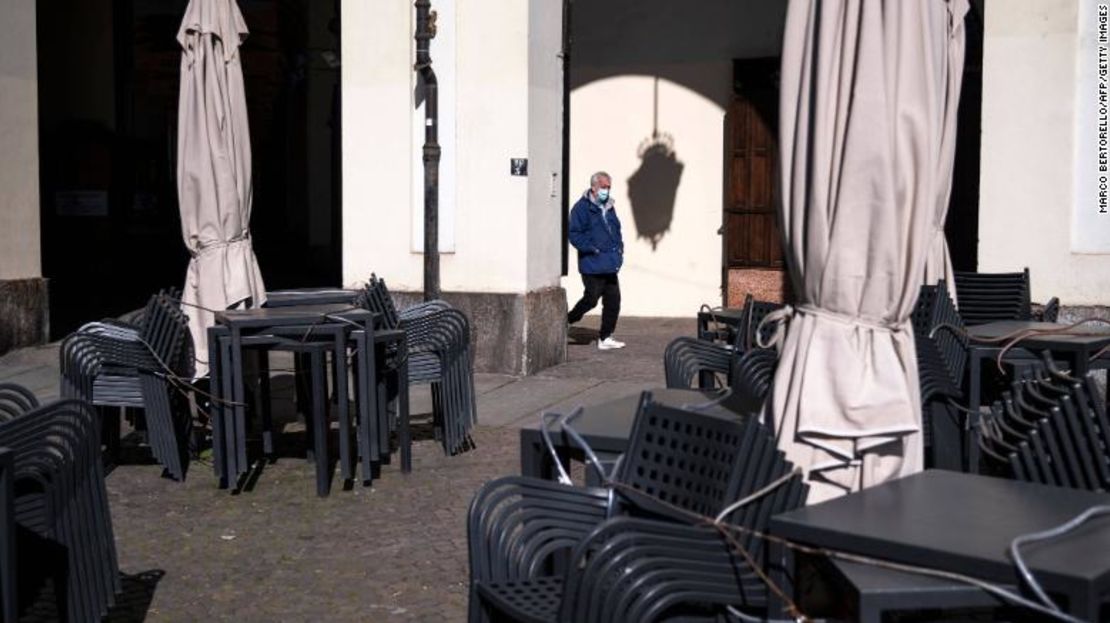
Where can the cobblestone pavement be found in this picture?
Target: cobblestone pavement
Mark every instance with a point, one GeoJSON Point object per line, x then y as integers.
{"type": "Point", "coordinates": [392, 552]}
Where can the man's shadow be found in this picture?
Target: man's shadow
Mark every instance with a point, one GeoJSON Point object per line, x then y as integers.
{"type": "Point", "coordinates": [580, 336]}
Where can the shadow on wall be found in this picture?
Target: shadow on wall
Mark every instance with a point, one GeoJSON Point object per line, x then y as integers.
{"type": "Point", "coordinates": [654, 185]}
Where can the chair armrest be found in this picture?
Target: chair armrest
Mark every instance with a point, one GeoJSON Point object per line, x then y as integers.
{"type": "Point", "coordinates": [642, 567]}
{"type": "Point", "coordinates": [517, 523]}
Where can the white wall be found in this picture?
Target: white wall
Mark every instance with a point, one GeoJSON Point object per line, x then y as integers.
{"type": "Point", "coordinates": [1029, 141]}
{"type": "Point", "coordinates": [545, 144]}
{"type": "Point", "coordinates": [499, 112]}
{"type": "Point", "coordinates": [19, 148]}
{"type": "Point", "coordinates": [611, 118]}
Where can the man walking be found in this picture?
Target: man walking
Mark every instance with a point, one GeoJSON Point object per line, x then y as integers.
{"type": "Point", "coordinates": [595, 232]}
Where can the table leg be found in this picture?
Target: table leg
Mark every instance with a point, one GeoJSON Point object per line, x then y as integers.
{"type": "Point", "coordinates": [533, 462]}
{"type": "Point", "coordinates": [1081, 364]}
{"type": "Point", "coordinates": [216, 407]}
{"type": "Point", "coordinates": [341, 399]}
{"type": "Point", "coordinates": [386, 406]}
{"type": "Point", "coordinates": [231, 454]}
{"type": "Point", "coordinates": [320, 421]}
{"type": "Point", "coordinates": [971, 445]}
{"type": "Point", "coordinates": [240, 397]}
{"type": "Point", "coordinates": [404, 433]}
{"type": "Point", "coordinates": [264, 402]}
{"type": "Point", "coordinates": [367, 405]}
{"type": "Point", "coordinates": [780, 561]}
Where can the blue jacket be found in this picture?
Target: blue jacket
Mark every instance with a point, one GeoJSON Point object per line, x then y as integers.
{"type": "Point", "coordinates": [596, 234]}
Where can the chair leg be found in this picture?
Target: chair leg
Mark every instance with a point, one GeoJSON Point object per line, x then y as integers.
{"type": "Point", "coordinates": [265, 403]}
{"type": "Point", "coordinates": [404, 433]}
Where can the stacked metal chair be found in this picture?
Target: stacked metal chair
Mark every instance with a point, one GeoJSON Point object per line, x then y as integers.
{"type": "Point", "coordinates": [636, 552]}
{"type": "Point", "coordinates": [9, 607]}
{"type": "Point", "coordinates": [438, 342]}
{"type": "Point", "coordinates": [15, 401]}
{"type": "Point", "coordinates": [1051, 429]}
{"type": "Point", "coordinates": [687, 359]}
{"type": "Point", "coordinates": [60, 509]}
{"type": "Point", "coordinates": [941, 361]}
{"type": "Point", "coordinates": [138, 366]}
{"type": "Point", "coordinates": [989, 297]}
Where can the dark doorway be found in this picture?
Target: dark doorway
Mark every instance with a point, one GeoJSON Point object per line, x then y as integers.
{"type": "Point", "coordinates": [108, 96]}
{"type": "Point", "coordinates": [961, 228]}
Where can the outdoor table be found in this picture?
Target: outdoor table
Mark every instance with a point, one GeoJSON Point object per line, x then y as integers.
{"type": "Point", "coordinates": [875, 592]}
{"type": "Point", "coordinates": [731, 317]}
{"type": "Point", "coordinates": [310, 296]}
{"type": "Point", "coordinates": [605, 427]}
{"type": "Point", "coordinates": [334, 322]}
{"type": "Point", "coordinates": [965, 523]}
{"type": "Point", "coordinates": [1075, 349]}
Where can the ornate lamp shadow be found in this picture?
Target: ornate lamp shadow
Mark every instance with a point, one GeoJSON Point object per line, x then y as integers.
{"type": "Point", "coordinates": [653, 187]}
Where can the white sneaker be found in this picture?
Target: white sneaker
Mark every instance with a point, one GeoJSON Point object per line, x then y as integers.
{"type": "Point", "coordinates": [609, 344]}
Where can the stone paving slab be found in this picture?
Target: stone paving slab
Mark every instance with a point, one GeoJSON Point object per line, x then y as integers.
{"type": "Point", "coordinates": [395, 551]}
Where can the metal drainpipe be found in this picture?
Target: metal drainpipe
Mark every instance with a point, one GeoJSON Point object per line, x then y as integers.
{"type": "Point", "coordinates": [425, 31]}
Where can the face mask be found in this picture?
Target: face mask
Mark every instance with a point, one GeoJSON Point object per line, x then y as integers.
{"type": "Point", "coordinates": [603, 195]}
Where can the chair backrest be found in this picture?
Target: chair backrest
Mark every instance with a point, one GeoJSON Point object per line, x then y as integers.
{"type": "Point", "coordinates": [165, 329]}
{"type": "Point", "coordinates": [701, 463]}
{"type": "Point", "coordinates": [941, 353]}
{"type": "Point", "coordinates": [684, 458]}
{"type": "Point", "coordinates": [753, 372]}
{"type": "Point", "coordinates": [759, 310]}
{"type": "Point", "coordinates": [988, 297]}
{"type": "Point", "coordinates": [377, 299]}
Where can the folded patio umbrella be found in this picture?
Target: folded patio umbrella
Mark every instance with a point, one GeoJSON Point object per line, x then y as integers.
{"type": "Point", "coordinates": [938, 262]}
{"type": "Point", "coordinates": [866, 94]}
{"type": "Point", "coordinates": [214, 168]}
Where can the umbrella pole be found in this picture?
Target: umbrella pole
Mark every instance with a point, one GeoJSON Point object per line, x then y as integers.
{"type": "Point", "coordinates": [425, 31]}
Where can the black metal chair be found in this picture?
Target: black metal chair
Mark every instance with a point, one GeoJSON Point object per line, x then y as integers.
{"type": "Point", "coordinates": [520, 528]}
{"type": "Point", "coordinates": [688, 359]}
{"type": "Point", "coordinates": [988, 297]}
{"type": "Point", "coordinates": [437, 338]}
{"type": "Point", "coordinates": [1051, 429]}
{"type": "Point", "coordinates": [144, 366]}
{"type": "Point", "coordinates": [941, 361]}
{"type": "Point", "coordinates": [59, 509]}
{"type": "Point", "coordinates": [9, 607]}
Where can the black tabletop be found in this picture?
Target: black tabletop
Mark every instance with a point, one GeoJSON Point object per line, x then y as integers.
{"type": "Point", "coordinates": [607, 426]}
{"type": "Point", "coordinates": [964, 523]}
{"type": "Point", "coordinates": [279, 316]}
{"type": "Point", "coordinates": [1094, 336]}
{"type": "Point", "coordinates": [309, 296]}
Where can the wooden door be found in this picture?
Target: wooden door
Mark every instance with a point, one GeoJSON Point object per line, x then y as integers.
{"type": "Point", "coordinates": [751, 253]}
{"type": "Point", "coordinates": [751, 233]}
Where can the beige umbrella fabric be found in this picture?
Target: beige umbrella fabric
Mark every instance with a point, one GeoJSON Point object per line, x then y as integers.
{"type": "Point", "coordinates": [938, 264]}
{"type": "Point", "coordinates": [865, 100]}
{"type": "Point", "coordinates": [214, 168]}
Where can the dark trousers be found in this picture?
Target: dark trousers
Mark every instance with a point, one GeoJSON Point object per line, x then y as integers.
{"type": "Point", "coordinates": [607, 288]}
